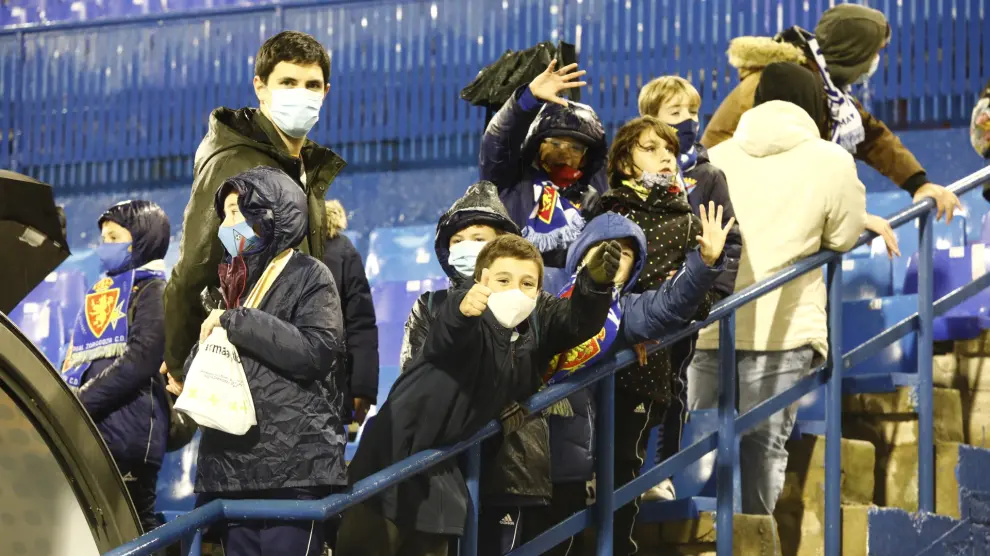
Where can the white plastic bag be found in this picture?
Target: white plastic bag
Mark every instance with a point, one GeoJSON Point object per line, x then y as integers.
{"type": "Point", "coordinates": [216, 393]}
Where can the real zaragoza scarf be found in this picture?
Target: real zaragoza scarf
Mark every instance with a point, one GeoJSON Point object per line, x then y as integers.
{"type": "Point", "coordinates": [590, 352]}
{"type": "Point", "coordinates": [101, 327]}
{"type": "Point", "coordinates": [555, 221]}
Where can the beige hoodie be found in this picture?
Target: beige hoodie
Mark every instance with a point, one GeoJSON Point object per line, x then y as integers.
{"type": "Point", "coordinates": [794, 194]}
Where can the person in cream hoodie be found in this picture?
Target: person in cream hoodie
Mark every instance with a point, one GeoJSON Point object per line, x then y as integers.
{"type": "Point", "coordinates": [794, 193]}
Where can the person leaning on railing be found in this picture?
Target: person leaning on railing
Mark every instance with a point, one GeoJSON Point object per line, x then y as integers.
{"type": "Point", "coordinates": [836, 56]}
{"type": "Point", "coordinates": [794, 194]}
{"type": "Point", "coordinates": [485, 352]}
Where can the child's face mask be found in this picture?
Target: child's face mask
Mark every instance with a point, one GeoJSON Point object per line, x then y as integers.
{"type": "Point", "coordinates": [564, 176]}
{"type": "Point", "coordinates": [238, 239]}
{"type": "Point", "coordinates": [687, 134]}
{"type": "Point", "coordinates": [463, 256]}
{"type": "Point", "coordinates": [511, 307]}
{"type": "Point", "coordinates": [114, 257]}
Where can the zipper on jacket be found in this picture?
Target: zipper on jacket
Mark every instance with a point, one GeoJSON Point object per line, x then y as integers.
{"type": "Point", "coordinates": [151, 428]}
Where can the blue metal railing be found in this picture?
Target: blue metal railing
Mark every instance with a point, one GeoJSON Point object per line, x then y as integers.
{"type": "Point", "coordinates": [724, 440]}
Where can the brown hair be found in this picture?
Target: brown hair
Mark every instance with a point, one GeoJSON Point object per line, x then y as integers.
{"type": "Point", "coordinates": [620, 155]}
{"type": "Point", "coordinates": [508, 246]}
{"type": "Point", "coordinates": [658, 92]}
{"type": "Point", "coordinates": [293, 47]}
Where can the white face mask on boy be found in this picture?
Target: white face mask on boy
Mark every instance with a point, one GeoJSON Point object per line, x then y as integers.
{"type": "Point", "coordinates": [511, 307]}
{"type": "Point", "coordinates": [462, 256]}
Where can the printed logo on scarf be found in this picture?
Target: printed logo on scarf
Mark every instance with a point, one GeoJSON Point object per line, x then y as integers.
{"type": "Point", "coordinates": [580, 355]}
{"type": "Point", "coordinates": [548, 200]}
{"type": "Point", "coordinates": [102, 309]}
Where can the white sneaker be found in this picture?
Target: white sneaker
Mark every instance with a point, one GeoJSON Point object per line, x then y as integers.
{"type": "Point", "coordinates": [664, 491]}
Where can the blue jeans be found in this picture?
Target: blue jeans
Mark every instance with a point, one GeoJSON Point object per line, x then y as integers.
{"type": "Point", "coordinates": [761, 375]}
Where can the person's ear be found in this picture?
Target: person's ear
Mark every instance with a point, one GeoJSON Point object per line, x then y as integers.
{"type": "Point", "coordinates": [260, 90]}
{"type": "Point", "coordinates": [484, 277]}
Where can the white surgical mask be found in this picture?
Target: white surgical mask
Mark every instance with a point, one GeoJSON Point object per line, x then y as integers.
{"type": "Point", "coordinates": [463, 256]}
{"type": "Point", "coordinates": [511, 307]}
{"type": "Point", "coordinates": [869, 73]}
{"type": "Point", "coordinates": [295, 111]}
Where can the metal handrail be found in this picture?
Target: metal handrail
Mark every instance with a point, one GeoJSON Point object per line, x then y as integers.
{"type": "Point", "coordinates": [723, 440]}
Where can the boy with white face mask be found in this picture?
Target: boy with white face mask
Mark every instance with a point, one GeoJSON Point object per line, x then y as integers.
{"type": "Point", "coordinates": [488, 348]}
{"type": "Point", "coordinates": [471, 222]}
{"type": "Point", "coordinates": [292, 72]}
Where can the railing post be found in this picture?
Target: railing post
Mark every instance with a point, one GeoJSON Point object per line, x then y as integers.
{"type": "Point", "coordinates": [926, 337]}
{"type": "Point", "coordinates": [833, 415]}
{"type": "Point", "coordinates": [469, 540]}
{"type": "Point", "coordinates": [727, 457]}
{"type": "Point", "coordinates": [192, 546]}
{"type": "Point", "coordinates": [605, 465]}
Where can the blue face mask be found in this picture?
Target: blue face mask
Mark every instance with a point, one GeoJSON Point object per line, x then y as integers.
{"type": "Point", "coordinates": [114, 257]}
{"type": "Point", "coordinates": [238, 239]}
{"type": "Point", "coordinates": [464, 255]}
{"type": "Point", "coordinates": [687, 134]}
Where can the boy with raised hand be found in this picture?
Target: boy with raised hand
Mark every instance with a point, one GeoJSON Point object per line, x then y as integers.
{"type": "Point", "coordinates": [485, 352]}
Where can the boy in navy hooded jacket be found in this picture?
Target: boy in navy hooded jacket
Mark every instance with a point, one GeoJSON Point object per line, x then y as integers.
{"type": "Point", "coordinates": [118, 344]}
{"type": "Point", "coordinates": [633, 319]}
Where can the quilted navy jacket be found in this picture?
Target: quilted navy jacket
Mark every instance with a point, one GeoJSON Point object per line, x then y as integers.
{"type": "Point", "coordinates": [291, 348]}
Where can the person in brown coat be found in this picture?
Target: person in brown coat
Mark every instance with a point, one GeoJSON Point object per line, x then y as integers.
{"type": "Point", "coordinates": [839, 56]}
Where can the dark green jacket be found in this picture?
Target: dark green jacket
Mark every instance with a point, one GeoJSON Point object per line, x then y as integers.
{"type": "Point", "coordinates": [238, 140]}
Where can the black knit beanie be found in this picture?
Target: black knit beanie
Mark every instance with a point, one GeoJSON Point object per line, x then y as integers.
{"type": "Point", "coordinates": [792, 83]}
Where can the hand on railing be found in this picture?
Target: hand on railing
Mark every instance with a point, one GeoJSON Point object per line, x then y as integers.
{"type": "Point", "coordinates": [945, 200]}
{"type": "Point", "coordinates": [881, 227]}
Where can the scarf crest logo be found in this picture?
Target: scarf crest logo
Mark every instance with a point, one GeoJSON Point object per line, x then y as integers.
{"type": "Point", "coordinates": [548, 200]}
{"type": "Point", "coordinates": [102, 309]}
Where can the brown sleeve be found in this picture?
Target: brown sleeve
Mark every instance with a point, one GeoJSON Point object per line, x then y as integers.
{"type": "Point", "coordinates": [882, 150]}
{"type": "Point", "coordinates": [722, 125]}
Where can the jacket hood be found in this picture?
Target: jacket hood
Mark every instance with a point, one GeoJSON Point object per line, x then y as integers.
{"type": "Point", "coordinates": [608, 226]}
{"type": "Point", "coordinates": [575, 120]}
{"type": "Point", "coordinates": [273, 204]}
{"type": "Point", "coordinates": [752, 54]}
{"type": "Point", "coordinates": [774, 127]}
{"type": "Point", "coordinates": [479, 205]}
{"type": "Point", "coordinates": [703, 157]}
{"type": "Point", "coordinates": [336, 218]}
{"type": "Point", "coordinates": [850, 37]}
{"type": "Point", "coordinates": [149, 228]}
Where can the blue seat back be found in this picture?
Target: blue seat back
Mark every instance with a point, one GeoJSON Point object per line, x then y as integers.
{"type": "Point", "coordinates": [866, 277]}
{"type": "Point", "coordinates": [177, 479]}
{"type": "Point", "coordinates": [861, 320]}
{"type": "Point", "coordinates": [953, 268]}
{"type": "Point", "coordinates": [402, 254]}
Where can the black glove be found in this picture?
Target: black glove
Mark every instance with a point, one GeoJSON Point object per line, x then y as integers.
{"type": "Point", "coordinates": [513, 418]}
{"type": "Point", "coordinates": [605, 263]}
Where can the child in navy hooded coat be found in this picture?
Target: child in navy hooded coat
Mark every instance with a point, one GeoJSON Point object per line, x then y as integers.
{"type": "Point", "coordinates": [118, 344]}
{"type": "Point", "coordinates": [547, 158]}
{"type": "Point", "coordinates": [633, 319]}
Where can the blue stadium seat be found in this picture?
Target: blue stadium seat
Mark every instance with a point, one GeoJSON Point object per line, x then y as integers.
{"type": "Point", "coordinates": [888, 203]}
{"type": "Point", "coordinates": [866, 277]}
{"type": "Point", "coordinates": [695, 485]}
{"type": "Point", "coordinates": [894, 365]}
{"type": "Point", "coordinates": [402, 254]}
{"type": "Point", "coordinates": [954, 268]}
{"type": "Point", "coordinates": [176, 480]}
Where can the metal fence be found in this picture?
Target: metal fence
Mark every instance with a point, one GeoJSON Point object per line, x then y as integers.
{"type": "Point", "coordinates": [725, 440]}
{"type": "Point", "coordinates": [100, 104]}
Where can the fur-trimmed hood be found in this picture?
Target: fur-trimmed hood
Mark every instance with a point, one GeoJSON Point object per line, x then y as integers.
{"type": "Point", "coordinates": [336, 218]}
{"type": "Point", "coordinates": [752, 54]}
